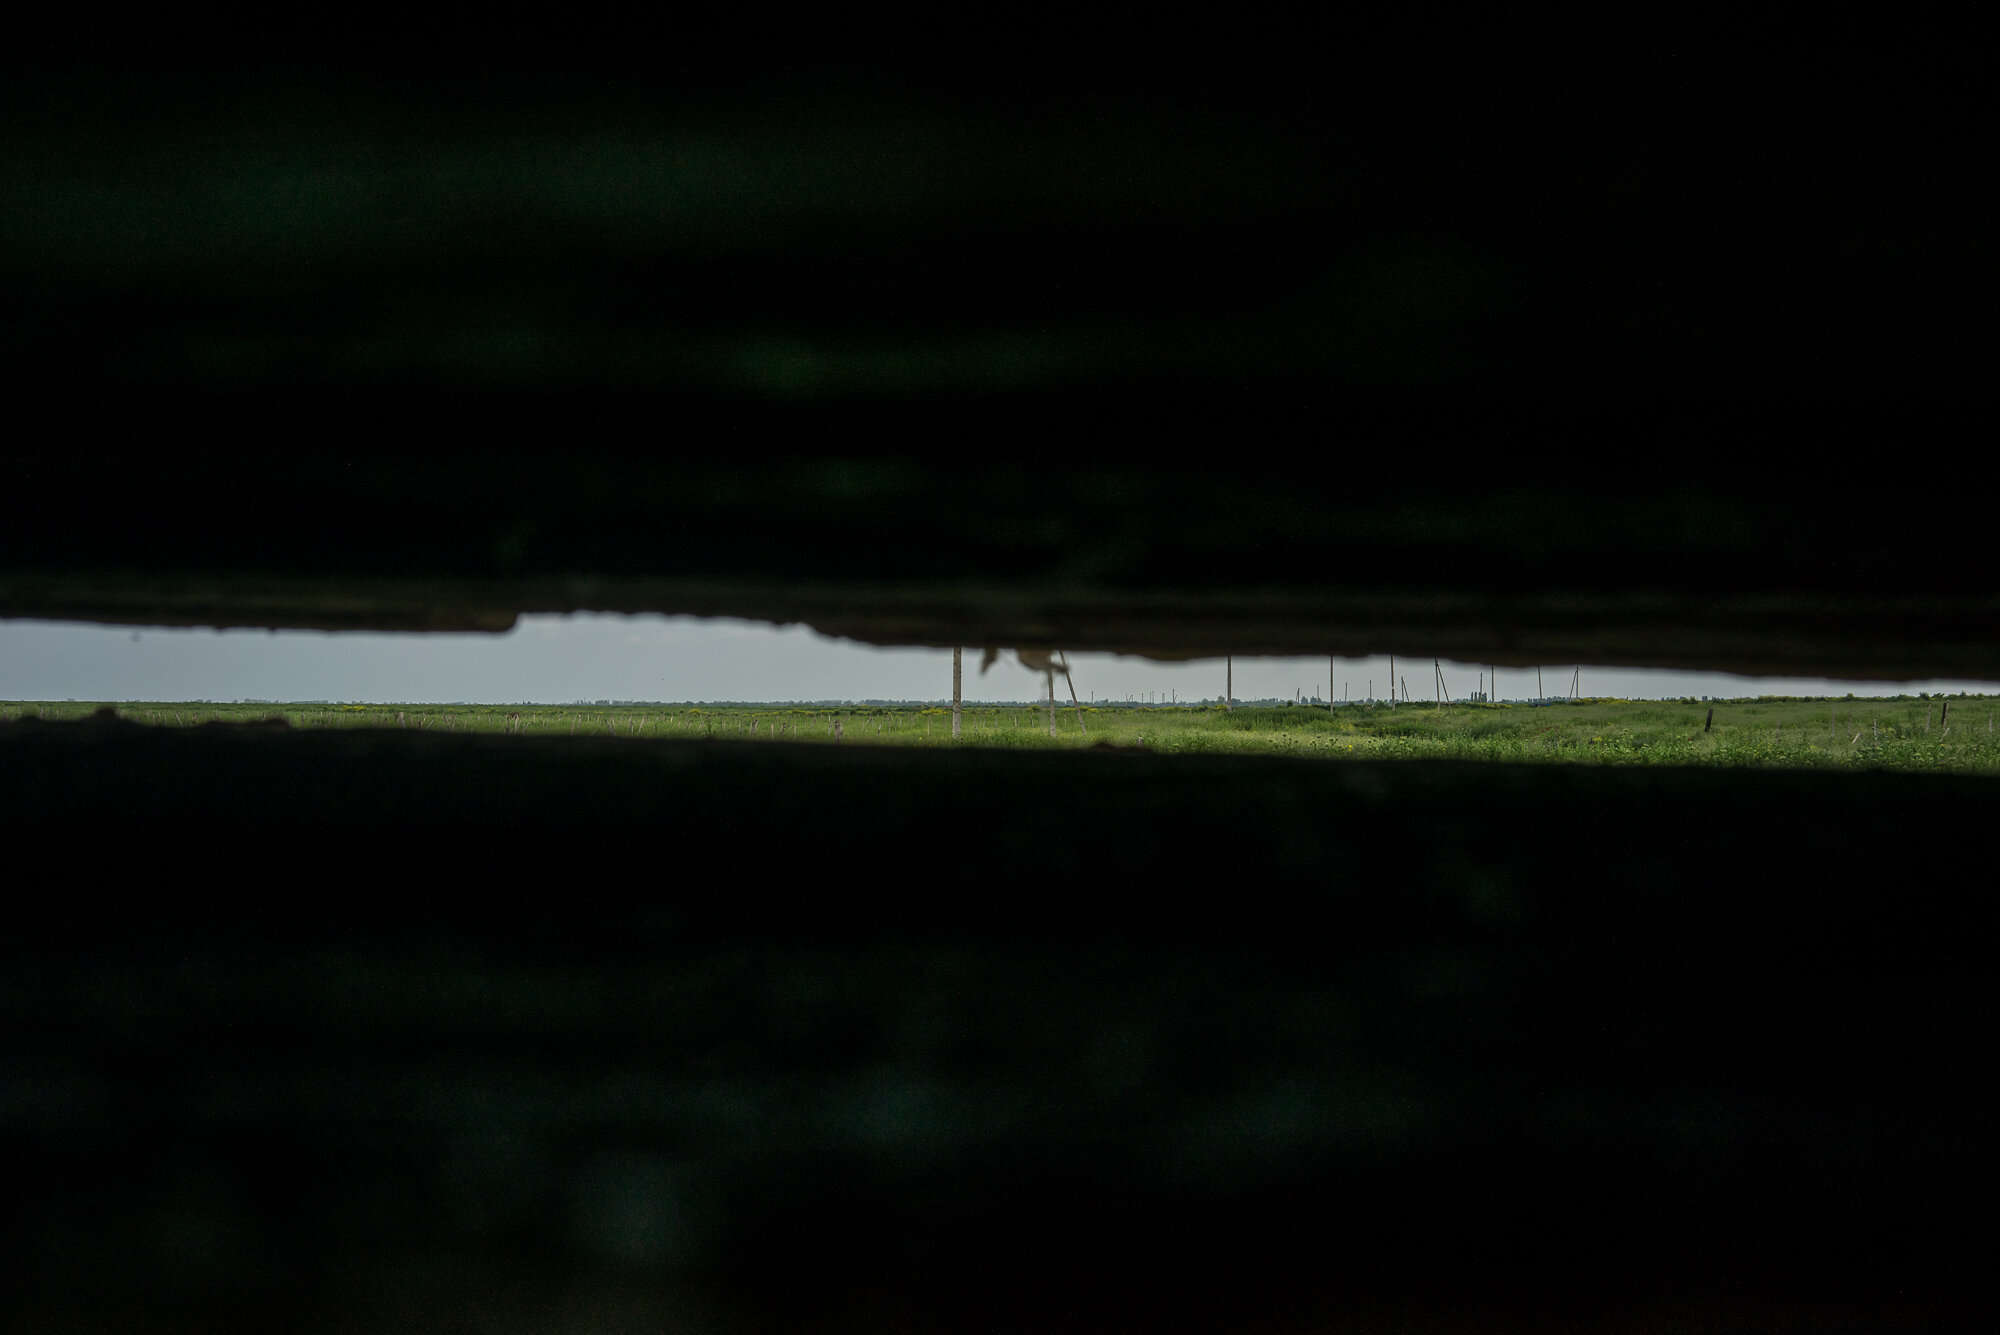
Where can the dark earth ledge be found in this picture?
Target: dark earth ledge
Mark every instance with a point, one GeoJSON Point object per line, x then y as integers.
{"type": "Point", "coordinates": [371, 1027]}
{"type": "Point", "coordinates": [1004, 349]}
{"type": "Point", "coordinates": [1851, 636]}
{"type": "Point", "coordinates": [306, 513]}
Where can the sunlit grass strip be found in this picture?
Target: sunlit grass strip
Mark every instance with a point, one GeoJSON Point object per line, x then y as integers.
{"type": "Point", "coordinates": [1914, 733]}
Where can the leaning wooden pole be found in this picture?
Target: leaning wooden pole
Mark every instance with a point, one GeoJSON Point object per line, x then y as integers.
{"type": "Point", "coordinates": [957, 689]}
{"type": "Point", "coordinates": [1074, 702]}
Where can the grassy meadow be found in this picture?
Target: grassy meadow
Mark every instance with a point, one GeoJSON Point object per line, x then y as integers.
{"type": "Point", "coordinates": [1938, 733]}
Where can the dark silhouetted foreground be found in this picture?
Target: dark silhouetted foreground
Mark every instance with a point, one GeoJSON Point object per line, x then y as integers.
{"type": "Point", "coordinates": [405, 1031]}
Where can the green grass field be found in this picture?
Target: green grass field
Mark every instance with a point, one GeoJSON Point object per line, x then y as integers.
{"type": "Point", "coordinates": [1954, 733]}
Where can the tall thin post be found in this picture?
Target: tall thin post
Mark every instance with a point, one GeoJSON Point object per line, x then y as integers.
{"type": "Point", "coordinates": [1392, 681]}
{"type": "Point", "coordinates": [957, 688]}
{"type": "Point", "coordinates": [1539, 696]}
{"type": "Point", "coordinates": [1072, 693]}
{"type": "Point", "coordinates": [1050, 673]}
{"type": "Point", "coordinates": [1329, 686]}
{"type": "Point", "coordinates": [1228, 681]}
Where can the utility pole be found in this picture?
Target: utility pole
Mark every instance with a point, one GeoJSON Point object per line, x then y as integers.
{"type": "Point", "coordinates": [1229, 681]}
{"type": "Point", "coordinates": [1392, 681]}
{"type": "Point", "coordinates": [957, 687]}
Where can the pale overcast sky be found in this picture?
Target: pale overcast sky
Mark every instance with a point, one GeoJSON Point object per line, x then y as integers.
{"type": "Point", "coordinates": [562, 659]}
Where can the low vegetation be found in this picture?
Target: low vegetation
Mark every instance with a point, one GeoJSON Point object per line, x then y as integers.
{"type": "Point", "coordinates": [1937, 733]}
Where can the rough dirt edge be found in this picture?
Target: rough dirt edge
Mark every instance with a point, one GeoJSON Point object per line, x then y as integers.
{"type": "Point", "coordinates": [1816, 634]}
